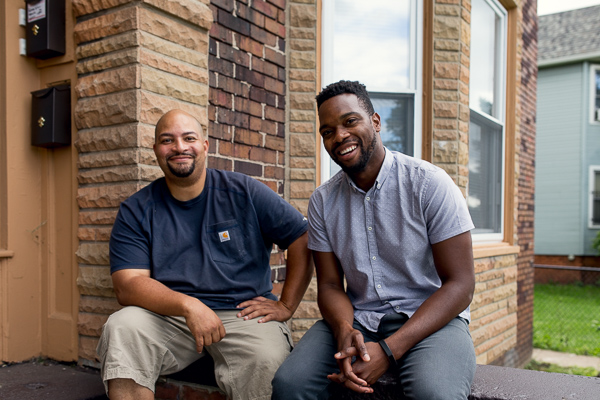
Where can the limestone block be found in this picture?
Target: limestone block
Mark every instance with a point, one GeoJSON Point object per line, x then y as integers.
{"type": "Point", "coordinates": [197, 56]}
{"type": "Point", "coordinates": [95, 281]}
{"type": "Point", "coordinates": [445, 110]}
{"type": "Point", "coordinates": [303, 75]}
{"type": "Point", "coordinates": [303, 16]}
{"type": "Point", "coordinates": [301, 189]}
{"type": "Point", "coordinates": [91, 324]}
{"type": "Point", "coordinates": [87, 348]}
{"type": "Point", "coordinates": [102, 217]}
{"type": "Point", "coordinates": [446, 27]}
{"type": "Point", "coordinates": [445, 95]}
{"type": "Point", "coordinates": [311, 291]}
{"type": "Point", "coordinates": [93, 253]}
{"type": "Point", "coordinates": [190, 11]}
{"type": "Point", "coordinates": [303, 33]}
{"type": "Point", "coordinates": [307, 309]}
{"type": "Point", "coordinates": [94, 234]}
{"type": "Point", "coordinates": [120, 174]}
{"type": "Point", "coordinates": [112, 109]}
{"type": "Point", "coordinates": [463, 153]}
{"type": "Point", "coordinates": [449, 10]}
{"type": "Point", "coordinates": [302, 115]}
{"type": "Point", "coordinates": [302, 86]}
{"type": "Point", "coordinates": [302, 174]}
{"type": "Point", "coordinates": [163, 26]}
{"type": "Point", "coordinates": [108, 158]}
{"type": "Point", "coordinates": [115, 137]}
{"type": "Point", "coordinates": [445, 151]}
{"type": "Point", "coordinates": [109, 44]}
{"type": "Point", "coordinates": [446, 70]}
{"type": "Point", "coordinates": [171, 85]}
{"type": "Point", "coordinates": [444, 129]}
{"type": "Point", "coordinates": [99, 305]}
{"type": "Point", "coordinates": [174, 66]}
{"type": "Point", "coordinates": [304, 59]}
{"type": "Point", "coordinates": [106, 195]}
{"type": "Point", "coordinates": [302, 127]}
{"type": "Point", "coordinates": [302, 101]}
{"type": "Point", "coordinates": [112, 23]}
{"type": "Point", "coordinates": [110, 81]}
{"type": "Point", "coordinates": [303, 45]}
{"type": "Point", "coordinates": [106, 61]}
{"type": "Point", "coordinates": [302, 324]}
{"type": "Point", "coordinates": [445, 44]}
{"type": "Point", "coordinates": [85, 7]}
{"type": "Point", "coordinates": [300, 205]}
{"type": "Point", "coordinates": [302, 162]}
{"type": "Point", "coordinates": [302, 145]}
{"type": "Point", "coordinates": [154, 106]}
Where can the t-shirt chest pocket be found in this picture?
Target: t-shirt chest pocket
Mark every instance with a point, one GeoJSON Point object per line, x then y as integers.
{"type": "Point", "coordinates": [225, 240]}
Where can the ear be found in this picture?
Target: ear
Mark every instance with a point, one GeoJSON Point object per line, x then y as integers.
{"type": "Point", "coordinates": [376, 121]}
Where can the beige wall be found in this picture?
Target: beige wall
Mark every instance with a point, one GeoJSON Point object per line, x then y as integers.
{"type": "Point", "coordinates": [38, 296]}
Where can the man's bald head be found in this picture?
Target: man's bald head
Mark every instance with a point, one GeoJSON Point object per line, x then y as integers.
{"type": "Point", "coordinates": [170, 117]}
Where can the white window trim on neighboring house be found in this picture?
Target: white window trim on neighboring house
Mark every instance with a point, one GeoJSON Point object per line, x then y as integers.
{"type": "Point", "coordinates": [415, 77]}
{"type": "Point", "coordinates": [500, 119]}
{"type": "Point", "coordinates": [593, 170]}
{"type": "Point", "coordinates": [594, 112]}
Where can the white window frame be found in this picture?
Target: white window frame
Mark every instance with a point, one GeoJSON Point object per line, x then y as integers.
{"type": "Point", "coordinates": [500, 105]}
{"type": "Point", "coordinates": [593, 169]}
{"type": "Point", "coordinates": [594, 69]}
{"type": "Point", "coordinates": [415, 76]}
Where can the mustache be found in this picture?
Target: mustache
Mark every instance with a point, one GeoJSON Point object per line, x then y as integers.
{"type": "Point", "coordinates": [179, 154]}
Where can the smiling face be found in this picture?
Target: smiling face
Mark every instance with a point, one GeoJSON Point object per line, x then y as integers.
{"type": "Point", "coordinates": [180, 147]}
{"type": "Point", "coordinates": [350, 135]}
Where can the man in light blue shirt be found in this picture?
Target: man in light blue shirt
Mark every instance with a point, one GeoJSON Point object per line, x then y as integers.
{"type": "Point", "coordinates": [397, 228]}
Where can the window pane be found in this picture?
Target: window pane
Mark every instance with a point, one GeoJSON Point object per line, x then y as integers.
{"type": "Point", "coordinates": [484, 48]}
{"type": "Point", "coordinates": [485, 174]}
{"type": "Point", "coordinates": [397, 116]}
{"type": "Point", "coordinates": [372, 43]}
{"type": "Point", "coordinates": [597, 89]}
{"type": "Point", "coordinates": [596, 199]}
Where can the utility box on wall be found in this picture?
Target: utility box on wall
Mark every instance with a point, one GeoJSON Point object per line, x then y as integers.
{"type": "Point", "coordinates": [51, 117]}
{"type": "Point", "coordinates": [45, 28]}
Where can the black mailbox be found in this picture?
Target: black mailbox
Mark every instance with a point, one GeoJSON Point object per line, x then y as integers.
{"type": "Point", "coordinates": [51, 117]}
{"type": "Point", "coordinates": [45, 28]}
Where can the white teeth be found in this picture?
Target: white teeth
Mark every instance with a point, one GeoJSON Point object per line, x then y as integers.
{"type": "Point", "coordinates": [348, 150]}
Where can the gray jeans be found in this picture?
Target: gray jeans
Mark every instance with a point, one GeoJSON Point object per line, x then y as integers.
{"type": "Point", "coordinates": [141, 345]}
{"type": "Point", "coordinates": [441, 366]}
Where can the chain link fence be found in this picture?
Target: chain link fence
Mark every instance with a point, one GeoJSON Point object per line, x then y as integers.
{"type": "Point", "coordinates": [566, 313]}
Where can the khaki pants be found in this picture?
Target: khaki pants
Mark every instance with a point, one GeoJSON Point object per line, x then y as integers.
{"type": "Point", "coordinates": [141, 345]}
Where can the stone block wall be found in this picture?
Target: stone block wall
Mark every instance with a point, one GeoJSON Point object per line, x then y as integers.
{"type": "Point", "coordinates": [135, 61]}
{"type": "Point", "coordinates": [301, 129]}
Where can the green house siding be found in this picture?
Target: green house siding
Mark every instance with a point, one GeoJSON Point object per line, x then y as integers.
{"type": "Point", "coordinates": [559, 202]}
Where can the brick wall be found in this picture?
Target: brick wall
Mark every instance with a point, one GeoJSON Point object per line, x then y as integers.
{"type": "Point", "coordinates": [247, 96]}
{"type": "Point", "coordinates": [135, 61]}
{"type": "Point", "coordinates": [526, 180]}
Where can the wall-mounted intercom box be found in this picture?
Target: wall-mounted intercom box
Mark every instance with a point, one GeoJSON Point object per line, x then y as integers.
{"type": "Point", "coordinates": [51, 117]}
{"type": "Point", "coordinates": [45, 28]}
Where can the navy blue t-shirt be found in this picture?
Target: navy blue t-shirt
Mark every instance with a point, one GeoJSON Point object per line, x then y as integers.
{"type": "Point", "coordinates": [215, 247]}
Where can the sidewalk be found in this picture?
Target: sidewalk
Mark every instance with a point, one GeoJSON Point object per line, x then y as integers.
{"type": "Point", "coordinates": [566, 359]}
{"type": "Point", "coordinates": [49, 380]}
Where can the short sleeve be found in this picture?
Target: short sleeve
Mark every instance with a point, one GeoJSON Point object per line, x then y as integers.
{"type": "Point", "coordinates": [445, 209]}
{"type": "Point", "coordinates": [279, 221]}
{"type": "Point", "coordinates": [129, 241]}
{"type": "Point", "coordinates": [318, 239]}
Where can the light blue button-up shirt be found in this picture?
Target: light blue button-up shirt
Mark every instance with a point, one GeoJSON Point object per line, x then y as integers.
{"type": "Point", "coordinates": [383, 237]}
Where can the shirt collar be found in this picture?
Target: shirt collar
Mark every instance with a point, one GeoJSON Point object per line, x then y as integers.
{"type": "Point", "coordinates": [384, 171]}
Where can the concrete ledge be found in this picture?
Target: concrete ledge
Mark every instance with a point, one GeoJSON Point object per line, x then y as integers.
{"type": "Point", "coordinates": [490, 383]}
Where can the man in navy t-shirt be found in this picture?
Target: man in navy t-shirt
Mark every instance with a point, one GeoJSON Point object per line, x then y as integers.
{"type": "Point", "coordinates": [189, 258]}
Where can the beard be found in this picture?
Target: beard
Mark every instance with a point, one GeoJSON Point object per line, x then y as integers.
{"type": "Point", "coordinates": [179, 170]}
{"type": "Point", "coordinates": [363, 160]}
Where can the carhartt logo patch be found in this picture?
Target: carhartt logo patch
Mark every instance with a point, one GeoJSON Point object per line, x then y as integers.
{"type": "Point", "coordinates": [224, 236]}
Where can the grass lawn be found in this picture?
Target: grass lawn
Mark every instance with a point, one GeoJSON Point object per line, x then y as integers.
{"type": "Point", "coordinates": [567, 318]}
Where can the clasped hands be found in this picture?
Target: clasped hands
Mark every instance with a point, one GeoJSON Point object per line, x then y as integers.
{"type": "Point", "coordinates": [370, 363]}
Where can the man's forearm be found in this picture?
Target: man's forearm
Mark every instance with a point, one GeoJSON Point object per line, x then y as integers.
{"type": "Point", "coordinates": [336, 308]}
{"type": "Point", "coordinates": [298, 275]}
{"type": "Point", "coordinates": [148, 293]}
